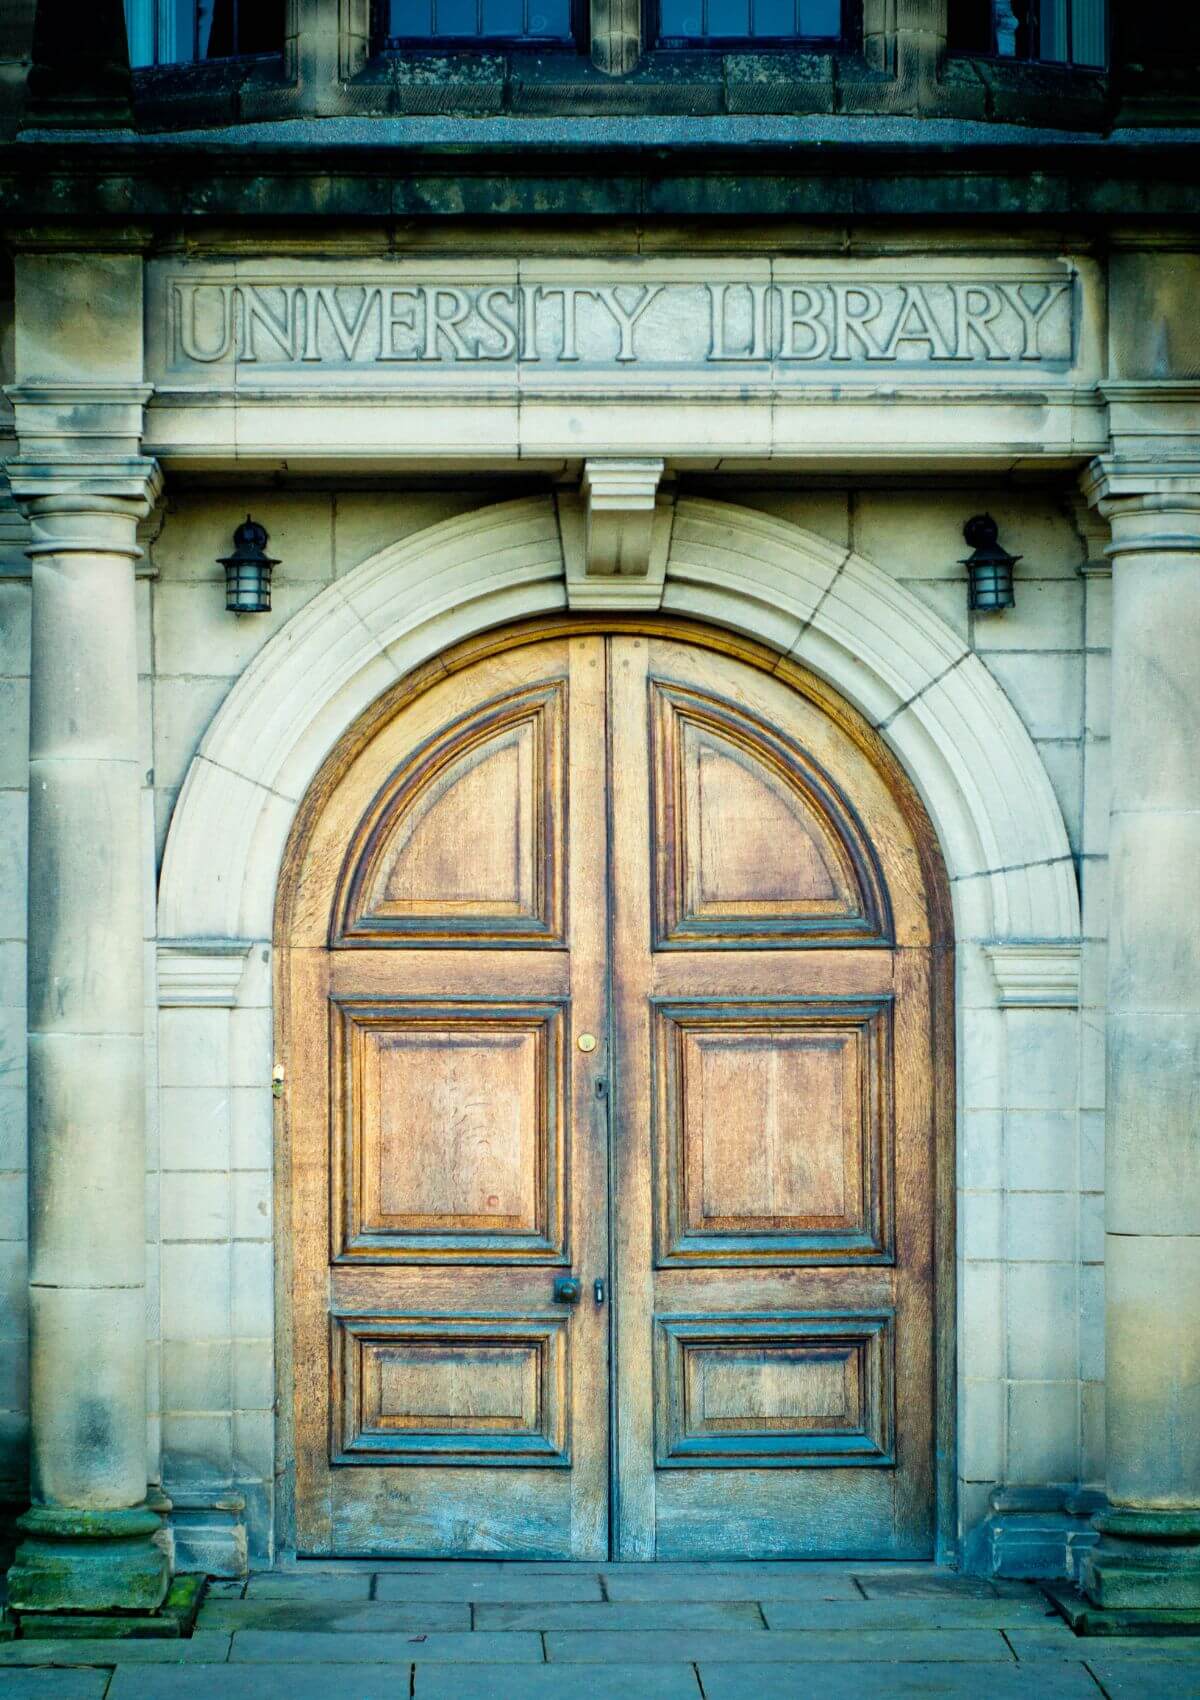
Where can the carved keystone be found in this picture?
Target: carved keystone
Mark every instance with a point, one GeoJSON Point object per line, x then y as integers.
{"type": "Point", "coordinates": [616, 534]}
{"type": "Point", "coordinates": [620, 515]}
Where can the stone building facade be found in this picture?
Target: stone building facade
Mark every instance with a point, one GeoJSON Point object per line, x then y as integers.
{"type": "Point", "coordinates": [710, 345]}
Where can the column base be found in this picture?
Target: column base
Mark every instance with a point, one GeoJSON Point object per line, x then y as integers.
{"type": "Point", "coordinates": [1146, 1562]}
{"type": "Point", "coordinates": [88, 1561]}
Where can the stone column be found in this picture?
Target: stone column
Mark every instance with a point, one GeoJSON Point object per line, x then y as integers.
{"type": "Point", "coordinates": [88, 1535]}
{"type": "Point", "coordinates": [83, 482]}
{"type": "Point", "coordinates": [1148, 1558]}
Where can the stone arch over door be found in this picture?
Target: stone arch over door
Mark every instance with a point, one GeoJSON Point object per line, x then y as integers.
{"type": "Point", "coordinates": [969, 756]}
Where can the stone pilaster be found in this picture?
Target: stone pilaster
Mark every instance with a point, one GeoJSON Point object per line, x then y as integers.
{"type": "Point", "coordinates": [89, 1537]}
{"type": "Point", "coordinates": [1148, 1558]}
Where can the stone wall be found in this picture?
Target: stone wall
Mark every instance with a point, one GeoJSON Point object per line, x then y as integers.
{"type": "Point", "coordinates": [1030, 1114]}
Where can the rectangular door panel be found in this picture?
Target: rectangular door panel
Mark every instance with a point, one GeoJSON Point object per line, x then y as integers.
{"type": "Point", "coordinates": [450, 1130]}
{"type": "Point", "coordinates": [772, 1130]}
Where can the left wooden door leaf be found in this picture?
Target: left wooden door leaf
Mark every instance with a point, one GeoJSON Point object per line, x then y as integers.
{"type": "Point", "coordinates": [446, 951]}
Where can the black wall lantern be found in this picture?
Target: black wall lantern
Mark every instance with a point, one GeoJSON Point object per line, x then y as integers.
{"type": "Point", "coordinates": [248, 571]}
{"type": "Point", "coordinates": [989, 567]}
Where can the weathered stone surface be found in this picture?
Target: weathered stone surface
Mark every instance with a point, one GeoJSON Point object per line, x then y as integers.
{"type": "Point", "coordinates": [497, 1585]}
{"type": "Point", "coordinates": [55, 1684]}
{"type": "Point", "coordinates": [930, 1612]}
{"type": "Point", "coordinates": [672, 1614]}
{"type": "Point", "coordinates": [775, 1646]}
{"type": "Point", "coordinates": [759, 1582]}
{"type": "Point", "coordinates": [887, 1681]}
{"type": "Point", "coordinates": [557, 1682]}
{"type": "Point", "coordinates": [314, 1614]}
{"type": "Point", "coordinates": [266, 1646]}
{"type": "Point", "coordinates": [200, 1649]}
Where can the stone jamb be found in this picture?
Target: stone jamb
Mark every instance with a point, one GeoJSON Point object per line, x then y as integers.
{"type": "Point", "coordinates": [953, 729]}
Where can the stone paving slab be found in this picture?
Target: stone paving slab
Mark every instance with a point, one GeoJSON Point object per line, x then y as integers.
{"type": "Point", "coordinates": [336, 1617]}
{"type": "Point", "coordinates": [284, 1646]}
{"type": "Point", "coordinates": [54, 1684]}
{"type": "Point", "coordinates": [933, 1585]}
{"type": "Point", "coordinates": [898, 1682]}
{"type": "Point", "coordinates": [1060, 1642]}
{"type": "Point", "coordinates": [263, 1682]}
{"type": "Point", "coordinates": [668, 1614]}
{"type": "Point", "coordinates": [930, 1613]}
{"type": "Point", "coordinates": [1173, 1679]}
{"type": "Point", "coordinates": [272, 1586]}
{"type": "Point", "coordinates": [500, 1587]}
{"type": "Point", "coordinates": [719, 1647]}
{"type": "Point", "coordinates": [760, 1582]}
{"type": "Point", "coordinates": [199, 1649]}
{"type": "Point", "coordinates": [557, 1682]}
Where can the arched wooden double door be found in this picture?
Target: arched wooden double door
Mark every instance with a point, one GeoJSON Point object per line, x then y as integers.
{"type": "Point", "coordinates": [613, 956]}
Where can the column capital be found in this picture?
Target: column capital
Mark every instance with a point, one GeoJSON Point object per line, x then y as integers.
{"type": "Point", "coordinates": [79, 455]}
{"type": "Point", "coordinates": [1152, 506]}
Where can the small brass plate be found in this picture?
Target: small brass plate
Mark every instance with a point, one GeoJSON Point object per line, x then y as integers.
{"type": "Point", "coordinates": [587, 1041]}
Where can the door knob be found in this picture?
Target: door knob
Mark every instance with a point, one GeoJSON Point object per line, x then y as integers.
{"type": "Point", "coordinates": [568, 1290]}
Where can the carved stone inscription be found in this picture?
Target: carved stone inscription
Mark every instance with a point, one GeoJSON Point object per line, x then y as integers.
{"type": "Point", "coordinates": [405, 320]}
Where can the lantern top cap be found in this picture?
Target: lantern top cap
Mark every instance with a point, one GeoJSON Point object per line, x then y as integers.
{"type": "Point", "coordinates": [983, 534]}
{"type": "Point", "coordinates": [249, 544]}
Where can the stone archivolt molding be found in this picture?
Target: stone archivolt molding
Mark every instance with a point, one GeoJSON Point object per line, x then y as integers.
{"type": "Point", "coordinates": [953, 728]}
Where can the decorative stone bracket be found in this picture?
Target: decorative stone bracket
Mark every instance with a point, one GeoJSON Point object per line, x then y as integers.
{"type": "Point", "coordinates": [616, 535]}
{"type": "Point", "coordinates": [1036, 976]}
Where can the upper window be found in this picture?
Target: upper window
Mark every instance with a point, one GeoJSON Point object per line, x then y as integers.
{"type": "Point", "coordinates": [1060, 32]}
{"type": "Point", "coordinates": [409, 21]}
{"type": "Point", "coordinates": [176, 32]}
{"type": "Point", "coordinates": [684, 22]}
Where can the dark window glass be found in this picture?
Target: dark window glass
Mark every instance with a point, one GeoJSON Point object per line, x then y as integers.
{"type": "Point", "coordinates": [478, 20]}
{"type": "Point", "coordinates": [750, 20]}
{"type": "Point", "coordinates": [178, 32]}
{"type": "Point", "coordinates": [1059, 32]}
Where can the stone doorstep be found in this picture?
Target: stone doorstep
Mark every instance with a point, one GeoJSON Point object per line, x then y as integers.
{"type": "Point", "coordinates": [174, 1618]}
{"type": "Point", "coordinates": [1087, 1619]}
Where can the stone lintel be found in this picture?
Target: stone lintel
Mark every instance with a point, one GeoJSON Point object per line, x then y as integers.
{"type": "Point", "coordinates": [200, 973]}
{"type": "Point", "coordinates": [1033, 975]}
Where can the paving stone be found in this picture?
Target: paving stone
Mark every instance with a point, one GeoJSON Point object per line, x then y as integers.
{"type": "Point", "coordinates": [501, 1587]}
{"type": "Point", "coordinates": [54, 1684]}
{"type": "Point", "coordinates": [759, 1582]}
{"type": "Point", "coordinates": [334, 1616]}
{"type": "Point", "coordinates": [274, 1586]}
{"type": "Point", "coordinates": [701, 1645]}
{"type": "Point", "coordinates": [284, 1646]}
{"type": "Point", "coordinates": [553, 1682]}
{"type": "Point", "coordinates": [923, 1585]}
{"type": "Point", "coordinates": [262, 1682]}
{"type": "Point", "coordinates": [899, 1682]}
{"type": "Point", "coordinates": [927, 1613]}
{"type": "Point", "coordinates": [662, 1614]}
{"type": "Point", "coordinates": [199, 1649]}
{"type": "Point", "coordinates": [1169, 1679]}
{"type": "Point", "coordinates": [1057, 1641]}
